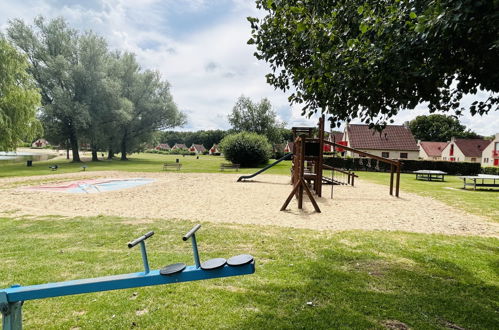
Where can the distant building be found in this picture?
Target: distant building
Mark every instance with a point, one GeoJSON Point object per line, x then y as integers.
{"type": "Point", "coordinates": [162, 146]}
{"type": "Point", "coordinates": [197, 148]}
{"type": "Point", "coordinates": [465, 150]}
{"type": "Point", "coordinates": [335, 137]}
{"type": "Point", "coordinates": [40, 143]}
{"type": "Point", "coordinates": [179, 146]}
{"type": "Point", "coordinates": [395, 141]}
{"type": "Point", "coordinates": [431, 150]}
{"type": "Point", "coordinates": [289, 147]}
{"type": "Point", "coordinates": [214, 150]}
{"type": "Point", "coordinates": [490, 154]}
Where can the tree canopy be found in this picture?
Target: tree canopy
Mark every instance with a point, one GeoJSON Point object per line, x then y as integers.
{"type": "Point", "coordinates": [19, 98]}
{"type": "Point", "coordinates": [248, 116]}
{"type": "Point", "coordinates": [440, 128]}
{"type": "Point", "coordinates": [90, 95]}
{"type": "Point", "coordinates": [371, 59]}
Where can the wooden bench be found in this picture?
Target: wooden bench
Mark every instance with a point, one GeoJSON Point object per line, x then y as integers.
{"type": "Point", "coordinates": [227, 166]}
{"type": "Point", "coordinates": [172, 165]}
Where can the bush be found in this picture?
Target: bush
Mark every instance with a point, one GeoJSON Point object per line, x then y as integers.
{"type": "Point", "coordinates": [490, 170]}
{"type": "Point", "coordinates": [246, 149]}
{"type": "Point", "coordinates": [408, 166]}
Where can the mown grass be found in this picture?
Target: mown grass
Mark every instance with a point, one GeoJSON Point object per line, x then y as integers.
{"type": "Point", "coordinates": [304, 279]}
{"type": "Point", "coordinates": [480, 202]}
{"type": "Point", "coordinates": [143, 162]}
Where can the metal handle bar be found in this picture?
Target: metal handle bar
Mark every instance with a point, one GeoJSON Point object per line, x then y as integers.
{"type": "Point", "coordinates": [140, 239]}
{"type": "Point", "coordinates": [191, 232]}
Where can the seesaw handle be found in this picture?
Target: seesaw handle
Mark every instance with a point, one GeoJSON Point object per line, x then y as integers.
{"type": "Point", "coordinates": [191, 232]}
{"type": "Point", "coordinates": [140, 239]}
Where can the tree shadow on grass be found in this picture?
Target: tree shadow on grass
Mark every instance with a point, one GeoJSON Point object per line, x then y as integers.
{"type": "Point", "coordinates": [340, 289]}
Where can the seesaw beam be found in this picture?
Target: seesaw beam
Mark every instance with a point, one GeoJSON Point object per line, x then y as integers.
{"type": "Point", "coordinates": [124, 281]}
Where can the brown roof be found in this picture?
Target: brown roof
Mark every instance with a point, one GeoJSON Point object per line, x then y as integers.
{"type": "Point", "coordinates": [393, 137]}
{"type": "Point", "coordinates": [290, 145]}
{"type": "Point", "coordinates": [471, 147]}
{"type": "Point", "coordinates": [336, 137]}
{"type": "Point", "coordinates": [433, 149]}
{"type": "Point", "coordinates": [179, 146]}
{"type": "Point", "coordinates": [199, 147]}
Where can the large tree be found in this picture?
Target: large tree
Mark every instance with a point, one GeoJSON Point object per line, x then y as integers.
{"type": "Point", "coordinates": [52, 49]}
{"type": "Point", "coordinates": [248, 116]}
{"type": "Point", "coordinates": [370, 59]}
{"type": "Point", "coordinates": [438, 127]}
{"type": "Point", "coordinates": [147, 108]}
{"type": "Point", "coordinates": [19, 98]}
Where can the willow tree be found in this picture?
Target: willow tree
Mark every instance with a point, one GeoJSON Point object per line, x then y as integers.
{"type": "Point", "coordinates": [369, 59]}
{"type": "Point", "coordinates": [19, 98]}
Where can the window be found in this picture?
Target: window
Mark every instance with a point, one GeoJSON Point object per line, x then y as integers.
{"type": "Point", "coordinates": [485, 160]}
{"type": "Point", "coordinates": [385, 154]}
{"type": "Point", "coordinates": [445, 158]}
{"type": "Point", "coordinates": [452, 150]}
{"type": "Point", "coordinates": [403, 155]}
{"type": "Point", "coordinates": [473, 159]}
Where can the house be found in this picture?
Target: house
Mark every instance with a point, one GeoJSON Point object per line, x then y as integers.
{"type": "Point", "coordinates": [197, 148]}
{"type": "Point", "coordinates": [490, 154]}
{"type": "Point", "coordinates": [179, 146]}
{"type": "Point", "coordinates": [289, 147]}
{"type": "Point", "coordinates": [40, 143]}
{"type": "Point", "coordinates": [162, 146]}
{"type": "Point", "coordinates": [395, 141]}
{"type": "Point", "coordinates": [214, 150]}
{"type": "Point", "coordinates": [465, 150]}
{"type": "Point", "coordinates": [431, 150]}
{"type": "Point", "coordinates": [335, 137]}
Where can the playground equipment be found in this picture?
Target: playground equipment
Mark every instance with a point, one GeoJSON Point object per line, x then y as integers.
{"type": "Point", "coordinates": [13, 298]}
{"type": "Point", "coordinates": [308, 164]}
{"type": "Point", "coordinates": [246, 177]}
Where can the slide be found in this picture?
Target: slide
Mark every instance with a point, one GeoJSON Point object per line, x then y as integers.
{"type": "Point", "coordinates": [244, 177]}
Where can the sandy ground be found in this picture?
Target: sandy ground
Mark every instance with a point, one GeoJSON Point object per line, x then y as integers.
{"type": "Point", "coordinates": [219, 198]}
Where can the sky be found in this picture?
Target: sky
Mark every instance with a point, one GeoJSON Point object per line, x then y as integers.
{"type": "Point", "coordinates": [199, 46]}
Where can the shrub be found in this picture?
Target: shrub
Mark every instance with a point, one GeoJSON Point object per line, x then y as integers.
{"type": "Point", "coordinates": [490, 170]}
{"type": "Point", "coordinates": [246, 149]}
{"type": "Point", "coordinates": [408, 166]}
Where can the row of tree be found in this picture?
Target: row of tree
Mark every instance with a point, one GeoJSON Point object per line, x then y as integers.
{"type": "Point", "coordinates": [90, 95]}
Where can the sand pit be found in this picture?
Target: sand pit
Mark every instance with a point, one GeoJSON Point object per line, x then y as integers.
{"type": "Point", "coordinates": [219, 198]}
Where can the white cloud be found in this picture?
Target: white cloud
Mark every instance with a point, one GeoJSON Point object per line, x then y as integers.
{"type": "Point", "coordinates": [209, 66]}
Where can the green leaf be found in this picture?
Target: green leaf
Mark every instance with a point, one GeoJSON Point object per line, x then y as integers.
{"type": "Point", "coordinates": [300, 27]}
{"type": "Point", "coordinates": [413, 15]}
{"type": "Point", "coordinates": [363, 28]}
{"type": "Point", "coordinates": [360, 10]}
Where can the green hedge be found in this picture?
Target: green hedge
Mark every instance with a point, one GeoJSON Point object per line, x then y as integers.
{"type": "Point", "coordinates": [408, 166]}
{"type": "Point", "coordinates": [246, 149]}
{"type": "Point", "coordinates": [490, 170]}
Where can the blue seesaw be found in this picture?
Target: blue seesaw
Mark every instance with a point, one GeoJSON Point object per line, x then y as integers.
{"type": "Point", "coordinates": [12, 299]}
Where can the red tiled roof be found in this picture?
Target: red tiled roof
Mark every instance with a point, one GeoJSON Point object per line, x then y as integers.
{"type": "Point", "coordinates": [290, 146]}
{"type": "Point", "coordinates": [433, 149]}
{"type": "Point", "coordinates": [179, 146]}
{"type": "Point", "coordinates": [336, 137]}
{"type": "Point", "coordinates": [471, 147]}
{"type": "Point", "coordinates": [199, 147]}
{"type": "Point", "coordinates": [393, 137]}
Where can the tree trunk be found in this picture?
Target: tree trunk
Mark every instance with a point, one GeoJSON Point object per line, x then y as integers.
{"type": "Point", "coordinates": [123, 146]}
{"type": "Point", "coordinates": [95, 158]}
{"type": "Point", "coordinates": [110, 154]}
{"type": "Point", "coordinates": [74, 145]}
{"type": "Point", "coordinates": [67, 151]}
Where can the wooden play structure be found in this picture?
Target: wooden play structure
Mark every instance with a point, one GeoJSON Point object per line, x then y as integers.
{"type": "Point", "coordinates": [308, 165]}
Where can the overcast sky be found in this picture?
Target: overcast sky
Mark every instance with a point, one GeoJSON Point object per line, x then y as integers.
{"type": "Point", "coordinates": [199, 46]}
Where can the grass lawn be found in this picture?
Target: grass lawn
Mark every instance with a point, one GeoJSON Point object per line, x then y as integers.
{"type": "Point", "coordinates": [304, 279]}
{"type": "Point", "coordinates": [480, 202]}
{"type": "Point", "coordinates": [143, 162]}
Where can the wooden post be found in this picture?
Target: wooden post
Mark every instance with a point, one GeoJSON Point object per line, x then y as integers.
{"type": "Point", "coordinates": [302, 172]}
{"type": "Point", "coordinates": [397, 188]}
{"type": "Point", "coordinates": [391, 179]}
{"type": "Point", "coordinates": [319, 168]}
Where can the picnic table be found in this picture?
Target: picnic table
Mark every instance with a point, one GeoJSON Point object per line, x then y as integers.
{"type": "Point", "coordinates": [171, 165]}
{"type": "Point", "coordinates": [229, 166]}
{"type": "Point", "coordinates": [481, 180]}
{"type": "Point", "coordinates": [430, 175]}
